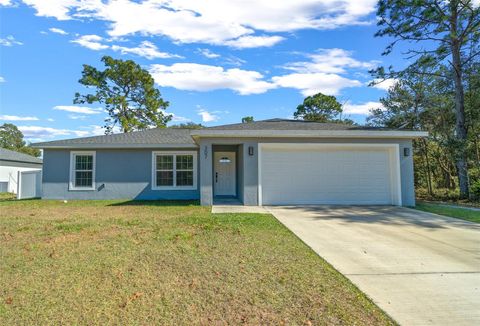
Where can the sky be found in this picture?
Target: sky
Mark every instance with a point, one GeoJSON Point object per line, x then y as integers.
{"type": "Point", "coordinates": [215, 61]}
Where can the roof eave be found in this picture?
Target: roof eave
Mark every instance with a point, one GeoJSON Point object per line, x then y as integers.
{"type": "Point", "coordinates": [311, 133]}
{"type": "Point", "coordinates": [18, 161]}
{"type": "Point", "coordinates": [111, 146]}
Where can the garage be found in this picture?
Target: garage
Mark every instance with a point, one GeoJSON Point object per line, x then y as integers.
{"type": "Point", "coordinates": [336, 174]}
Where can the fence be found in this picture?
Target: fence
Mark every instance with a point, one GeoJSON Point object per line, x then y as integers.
{"type": "Point", "coordinates": [29, 184]}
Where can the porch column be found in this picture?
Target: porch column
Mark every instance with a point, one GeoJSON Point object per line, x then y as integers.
{"type": "Point", "coordinates": [206, 187]}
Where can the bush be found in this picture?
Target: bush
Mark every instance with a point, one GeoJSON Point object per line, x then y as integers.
{"type": "Point", "coordinates": [475, 189]}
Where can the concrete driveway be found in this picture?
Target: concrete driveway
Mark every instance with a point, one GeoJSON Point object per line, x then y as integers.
{"type": "Point", "coordinates": [422, 269]}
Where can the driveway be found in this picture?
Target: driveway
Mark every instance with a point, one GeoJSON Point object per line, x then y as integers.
{"type": "Point", "coordinates": [421, 268]}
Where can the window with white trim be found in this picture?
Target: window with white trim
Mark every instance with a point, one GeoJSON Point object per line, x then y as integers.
{"type": "Point", "coordinates": [82, 170]}
{"type": "Point", "coordinates": [174, 170]}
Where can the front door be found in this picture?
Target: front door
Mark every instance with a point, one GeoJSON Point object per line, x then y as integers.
{"type": "Point", "coordinates": [224, 174]}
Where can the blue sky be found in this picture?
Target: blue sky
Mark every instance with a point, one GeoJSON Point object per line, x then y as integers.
{"type": "Point", "coordinates": [215, 61]}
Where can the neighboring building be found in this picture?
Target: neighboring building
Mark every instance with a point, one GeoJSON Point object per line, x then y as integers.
{"type": "Point", "coordinates": [271, 162]}
{"type": "Point", "coordinates": [11, 163]}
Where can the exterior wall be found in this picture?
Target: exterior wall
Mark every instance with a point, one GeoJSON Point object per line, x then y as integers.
{"type": "Point", "coordinates": [119, 174]}
{"type": "Point", "coordinates": [127, 173]}
{"type": "Point", "coordinates": [9, 173]}
{"type": "Point", "coordinates": [250, 164]}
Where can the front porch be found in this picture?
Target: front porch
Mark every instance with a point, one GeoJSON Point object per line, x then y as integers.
{"type": "Point", "coordinates": [228, 172]}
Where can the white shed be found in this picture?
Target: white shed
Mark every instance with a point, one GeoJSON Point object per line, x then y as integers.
{"type": "Point", "coordinates": [11, 163]}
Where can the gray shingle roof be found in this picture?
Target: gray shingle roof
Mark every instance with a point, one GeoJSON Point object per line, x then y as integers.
{"type": "Point", "coordinates": [285, 124]}
{"type": "Point", "coordinates": [176, 137]}
{"type": "Point", "coordinates": [8, 155]}
{"type": "Point", "coordinates": [149, 137]}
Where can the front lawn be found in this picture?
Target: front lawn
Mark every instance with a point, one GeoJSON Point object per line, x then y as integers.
{"type": "Point", "coordinates": [105, 262]}
{"type": "Point", "coordinates": [457, 212]}
{"type": "Point", "coordinates": [6, 196]}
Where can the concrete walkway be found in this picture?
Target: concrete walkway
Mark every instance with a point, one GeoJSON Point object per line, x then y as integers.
{"type": "Point", "coordinates": [217, 209]}
{"type": "Point", "coordinates": [422, 269]}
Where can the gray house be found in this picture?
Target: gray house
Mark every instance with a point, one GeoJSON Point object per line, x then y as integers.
{"type": "Point", "coordinates": [270, 162]}
{"type": "Point", "coordinates": [11, 163]}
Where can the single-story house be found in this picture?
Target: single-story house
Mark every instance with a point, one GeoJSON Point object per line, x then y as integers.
{"type": "Point", "coordinates": [11, 163]}
{"type": "Point", "coordinates": [270, 162]}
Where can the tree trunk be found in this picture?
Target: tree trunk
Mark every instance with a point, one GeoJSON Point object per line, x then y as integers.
{"type": "Point", "coordinates": [460, 128]}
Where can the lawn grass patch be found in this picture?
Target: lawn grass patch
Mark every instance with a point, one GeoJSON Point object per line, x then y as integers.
{"type": "Point", "coordinates": [4, 196]}
{"type": "Point", "coordinates": [456, 212]}
{"type": "Point", "coordinates": [114, 262]}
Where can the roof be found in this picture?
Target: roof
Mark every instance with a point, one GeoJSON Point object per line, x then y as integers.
{"type": "Point", "coordinates": [299, 128]}
{"type": "Point", "coordinates": [286, 124]}
{"type": "Point", "coordinates": [156, 137]}
{"type": "Point", "coordinates": [12, 156]}
{"type": "Point", "coordinates": [185, 138]}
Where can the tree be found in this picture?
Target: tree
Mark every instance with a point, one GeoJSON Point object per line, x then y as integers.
{"type": "Point", "coordinates": [247, 119]}
{"type": "Point", "coordinates": [320, 108]}
{"type": "Point", "coordinates": [443, 32]}
{"type": "Point", "coordinates": [11, 138]}
{"type": "Point", "coordinates": [128, 93]}
{"type": "Point", "coordinates": [188, 125]}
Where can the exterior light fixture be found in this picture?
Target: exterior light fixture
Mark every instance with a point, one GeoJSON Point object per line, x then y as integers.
{"type": "Point", "coordinates": [406, 151]}
{"type": "Point", "coordinates": [250, 150]}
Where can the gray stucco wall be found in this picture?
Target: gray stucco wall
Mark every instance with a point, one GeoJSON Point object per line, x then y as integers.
{"type": "Point", "coordinates": [120, 174]}
{"type": "Point", "coordinates": [250, 164]}
{"type": "Point", "coordinates": [126, 174]}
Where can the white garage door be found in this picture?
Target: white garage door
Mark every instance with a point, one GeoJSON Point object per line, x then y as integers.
{"type": "Point", "coordinates": [350, 174]}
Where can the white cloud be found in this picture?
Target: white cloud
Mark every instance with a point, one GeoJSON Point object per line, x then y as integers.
{"type": "Point", "coordinates": [250, 41]}
{"type": "Point", "coordinates": [329, 61]}
{"type": "Point", "coordinates": [76, 117]}
{"type": "Point", "coordinates": [197, 77]}
{"type": "Point", "coordinates": [312, 83]}
{"type": "Point", "coordinates": [208, 53]}
{"type": "Point", "coordinates": [362, 109]}
{"type": "Point", "coordinates": [384, 84]}
{"type": "Point", "coordinates": [96, 130]}
{"type": "Point", "coordinates": [58, 31]}
{"type": "Point", "coordinates": [145, 49]}
{"type": "Point", "coordinates": [50, 119]}
{"type": "Point", "coordinates": [60, 9]}
{"type": "Point", "coordinates": [17, 118]}
{"type": "Point", "coordinates": [213, 21]}
{"type": "Point", "coordinates": [9, 41]}
{"type": "Point", "coordinates": [234, 61]}
{"type": "Point", "coordinates": [323, 72]}
{"type": "Point", "coordinates": [6, 3]}
{"type": "Point", "coordinates": [92, 130]}
{"type": "Point", "coordinates": [179, 119]}
{"type": "Point", "coordinates": [78, 109]}
{"type": "Point", "coordinates": [39, 133]}
{"type": "Point", "coordinates": [91, 42]}
{"type": "Point", "coordinates": [2, 80]}
{"type": "Point", "coordinates": [207, 116]}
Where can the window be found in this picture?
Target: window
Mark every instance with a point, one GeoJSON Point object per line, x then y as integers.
{"type": "Point", "coordinates": [82, 171]}
{"type": "Point", "coordinates": [174, 170]}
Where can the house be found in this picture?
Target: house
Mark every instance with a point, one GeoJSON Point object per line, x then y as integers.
{"type": "Point", "coordinates": [270, 162]}
{"type": "Point", "coordinates": [11, 163]}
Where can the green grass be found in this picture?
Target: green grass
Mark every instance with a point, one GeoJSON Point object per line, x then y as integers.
{"type": "Point", "coordinates": [113, 262]}
{"type": "Point", "coordinates": [457, 212]}
{"type": "Point", "coordinates": [6, 196]}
